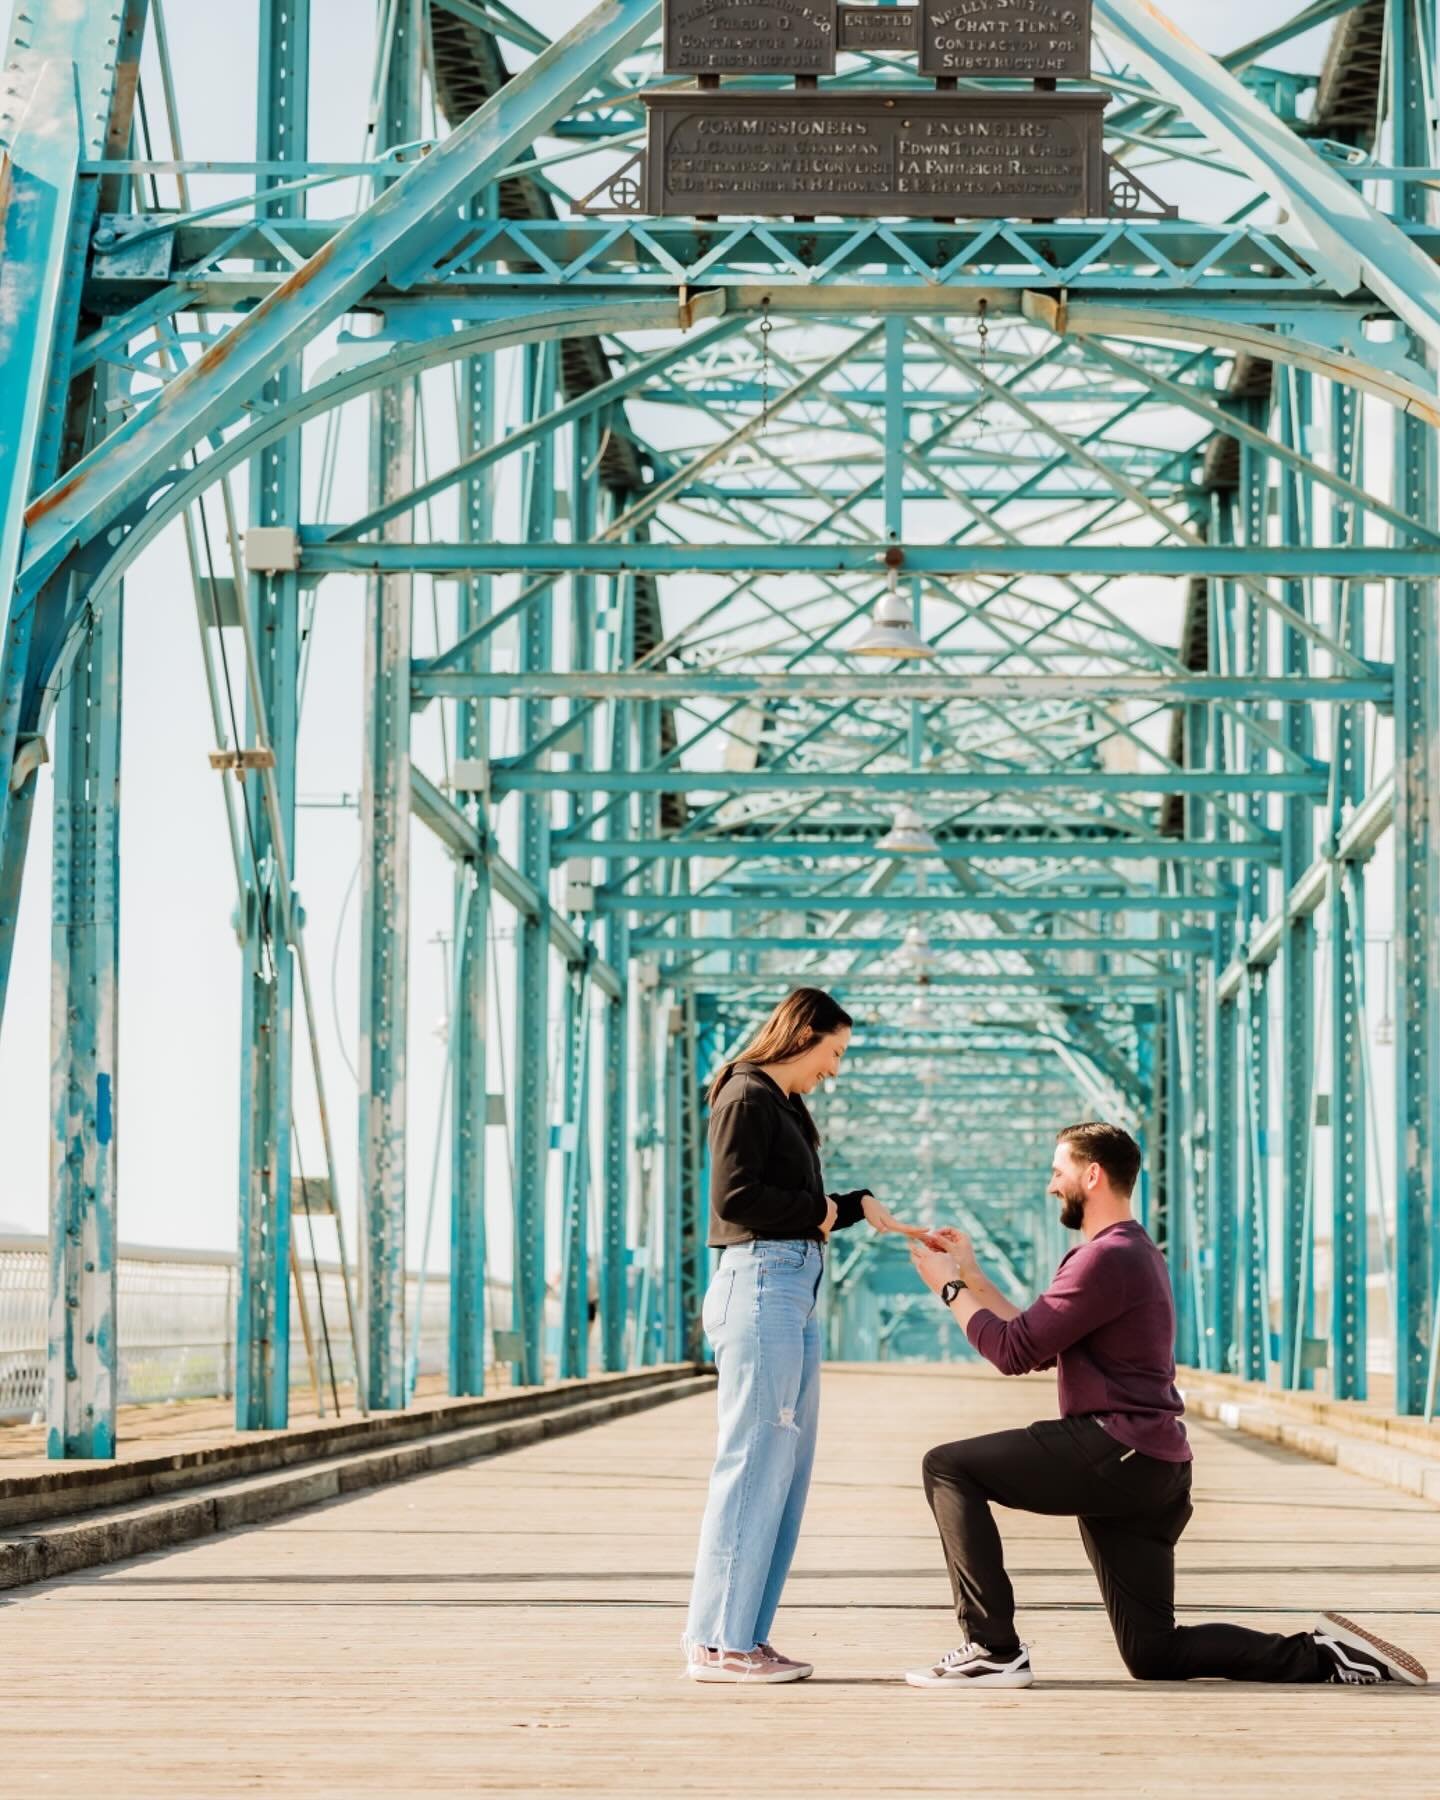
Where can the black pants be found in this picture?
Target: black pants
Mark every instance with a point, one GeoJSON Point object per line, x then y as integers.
{"type": "Point", "coordinates": [1132, 1510]}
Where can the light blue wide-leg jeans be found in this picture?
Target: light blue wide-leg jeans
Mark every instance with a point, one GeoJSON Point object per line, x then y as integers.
{"type": "Point", "coordinates": [760, 1319]}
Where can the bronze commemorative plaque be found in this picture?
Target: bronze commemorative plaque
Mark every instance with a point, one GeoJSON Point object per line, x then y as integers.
{"type": "Point", "coordinates": [917, 155]}
{"type": "Point", "coordinates": [880, 28]}
{"type": "Point", "coordinates": [750, 37]}
{"type": "Point", "coordinates": [1032, 39]}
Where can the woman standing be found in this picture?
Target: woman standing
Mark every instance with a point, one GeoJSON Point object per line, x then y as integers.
{"type": "Point", "coordinates": [770, 1216]}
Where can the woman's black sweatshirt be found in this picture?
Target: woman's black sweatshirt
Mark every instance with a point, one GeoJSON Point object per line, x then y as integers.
{"type": "Point", "coordinates": [765, 1179]}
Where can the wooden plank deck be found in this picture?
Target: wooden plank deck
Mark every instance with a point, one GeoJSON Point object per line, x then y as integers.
{"type": "Point", "coordinates": [511, 1627]}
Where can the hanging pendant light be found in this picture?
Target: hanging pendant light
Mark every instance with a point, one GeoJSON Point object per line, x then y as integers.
{"type": "Point", "coordinates": [908, 836]}
{"type": "Point", "coordinates": [916, 953]}
{"type": "Point", "coordinates": [917, 1016]}
{"type": "Point", "coordinates": [891, 631]}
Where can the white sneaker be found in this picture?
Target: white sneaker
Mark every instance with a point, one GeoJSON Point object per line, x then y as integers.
{"type": "Point", "coordinates": [972, 1666]}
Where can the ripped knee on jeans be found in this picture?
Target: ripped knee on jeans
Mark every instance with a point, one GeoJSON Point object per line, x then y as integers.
{"type": "Point", "coordinates": [786, 1421]}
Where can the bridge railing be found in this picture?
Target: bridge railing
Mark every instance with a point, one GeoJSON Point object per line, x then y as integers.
{"type": "Point", "coordinates": [176, 1324]}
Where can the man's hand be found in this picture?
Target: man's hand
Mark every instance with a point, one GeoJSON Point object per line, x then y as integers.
{"type": "Point", "coordinates": [832, 1212]}
{"type": "Point", "coordinates": [880, 1218]}
{"type": "Point", "coordinates": [960, 1247]}
{"type": "Point", "coordinates": [934, 1267]}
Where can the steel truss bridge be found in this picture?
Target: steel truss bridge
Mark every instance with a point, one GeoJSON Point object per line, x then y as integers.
{"type": "Point", "coordinates": [1157, 493]}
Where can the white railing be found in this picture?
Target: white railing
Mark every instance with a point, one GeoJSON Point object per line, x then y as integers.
{"type": "Point", "coordinates": [176, 1324]}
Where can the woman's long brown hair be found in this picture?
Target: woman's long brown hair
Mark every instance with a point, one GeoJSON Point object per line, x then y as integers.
{"type": "Point", "coordinates": [791, 1030]}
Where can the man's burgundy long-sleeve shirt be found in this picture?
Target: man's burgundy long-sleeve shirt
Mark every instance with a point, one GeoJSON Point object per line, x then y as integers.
{"type": "Point", "coordinates": [1107, 1323]}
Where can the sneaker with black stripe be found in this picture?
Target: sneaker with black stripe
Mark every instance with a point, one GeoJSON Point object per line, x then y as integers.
{"type": "Point", "coordinates": [1358, 1658]}
{"type": "Point", "coordinates": [972, 1666]}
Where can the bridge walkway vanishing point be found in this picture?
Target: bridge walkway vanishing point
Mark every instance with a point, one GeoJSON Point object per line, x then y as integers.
{"type": "Point", "coordinates": [512, 1627]}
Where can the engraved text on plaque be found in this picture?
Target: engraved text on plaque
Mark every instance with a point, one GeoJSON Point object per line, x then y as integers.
{"type": "Point", "coordinates": [1034, 39]}
{"type": "Point", "coordinates": [750, 37]}
{"type": "Point", "coordinates": [942, 155]}
{"type": "Point", "coordinates": [880, 28]}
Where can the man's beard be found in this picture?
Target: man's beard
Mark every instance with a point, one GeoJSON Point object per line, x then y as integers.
{"type": "Point", "coordinates": [1072, 1211]}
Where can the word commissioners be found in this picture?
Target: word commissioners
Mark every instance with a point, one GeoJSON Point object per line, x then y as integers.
{"type": "Point", "coordinates": [795, 151]}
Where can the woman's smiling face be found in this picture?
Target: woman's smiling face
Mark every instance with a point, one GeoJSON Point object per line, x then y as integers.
{"type": "Point", "coordinates": [820, 1062]}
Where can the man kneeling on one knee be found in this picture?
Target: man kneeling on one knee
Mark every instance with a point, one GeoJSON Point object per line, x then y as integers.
{"type": "Point", "coordinates": [1117, 1459]}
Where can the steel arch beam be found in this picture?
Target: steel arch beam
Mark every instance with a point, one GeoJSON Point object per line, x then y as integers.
{"type": "Point", "coordinates": [389, 241]}
{"type": "Point", "coordinates": [1351, 368]}
{"type": "Point", "coordinates": [351, 383]}
{"type": "Point", "coordinates": [1330, 221]}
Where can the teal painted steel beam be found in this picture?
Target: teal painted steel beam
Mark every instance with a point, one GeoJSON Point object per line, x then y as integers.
{"type": "Point", "coordinates": [1349, 1134]}
{"type": "Point", "coordinates": [1184, 943]}
{"type": "Point", "coordinates": [742, 901]}
{"type": "Point", "coordinates": [532, 934]}
{"type": "Point", "coordinates": [901, 988]}
{"type": "Point", "coordinates": [470, 1021]}
{"type": "Point", "coordinates": [470, 1111]}
{"type": "Point", "coordinates": [70, 90]}
{"type": "Point", "coordinates": [1223, 1197]}
{"type": "Point", "coordinates": [895, 689]}
{"type": "Point", "coordinates": [953, 849]}
{"type": "Point", "coordinates": [81, 1383]}
{"type": "Point", "coordinates": [1254, 1270]}
{"type": "Point", "coordinates": [575, 1180]}
{"type": "Point", "coordinates": [1417, 800]}
{"type": "Point", "coordinates": [41, 141]}
{"type": "Point", "coordinates": [1237, 273]}
{"type": "Point", "coordinates": [70, 80]}
{"type": "Point", "coordinates": [1221, 1019]}
{"type": "Point", "coordinates": [262, 1337]}
{"type": "Point", "coordinates": [673, 1192]}
{"type": "Point", "coordinates": [1290, 563]}
{"type": "Point", "coordinates": [577, 1252]}
{"type": "Point", "coordinates": [385, 805]}
{"type": "Point", "coordinates": [614, 1283]}
{"type": "Point", "coordinates": [933, 781]}
{"type": "Point", "coordinates": [1298, 943]}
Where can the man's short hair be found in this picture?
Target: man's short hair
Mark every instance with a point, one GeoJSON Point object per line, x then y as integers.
{"type": "Point", "coordinates": [1109, 1145]}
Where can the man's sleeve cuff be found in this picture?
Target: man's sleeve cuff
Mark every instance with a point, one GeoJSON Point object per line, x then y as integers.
{"type": "Point", "coordinates": [976, 1325]}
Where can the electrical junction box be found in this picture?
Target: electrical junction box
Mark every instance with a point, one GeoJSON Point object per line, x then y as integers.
{"type": "Point", "coordinates": [579, 886]}
{"type": "Point", "coordinates": [272, 550]}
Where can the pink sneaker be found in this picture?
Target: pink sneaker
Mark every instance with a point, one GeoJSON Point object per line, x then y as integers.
{"type": "Point", "coordinates": [787, 1662]}
{"type": "Point", "coordinates": [742, 1667]}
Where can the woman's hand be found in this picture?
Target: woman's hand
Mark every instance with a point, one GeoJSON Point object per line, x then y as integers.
{"type": "Point", "coordinates": [832, 1212]}
{"type": "Point", "coordinates": [880, 1218]}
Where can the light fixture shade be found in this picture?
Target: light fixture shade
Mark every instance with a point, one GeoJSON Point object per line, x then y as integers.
{"type": "Point", "coordinates": [908, 836]}
{"type": "Point", "coordinates": [916, 951]}
{"type": "Point", "coordinates": [891, 632]}
{"type": "Point", "coordinates": [917, 1017]}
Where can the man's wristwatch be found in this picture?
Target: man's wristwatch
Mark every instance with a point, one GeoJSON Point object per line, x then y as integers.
{"type": "Point", "coordinates": [950, 1290]}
